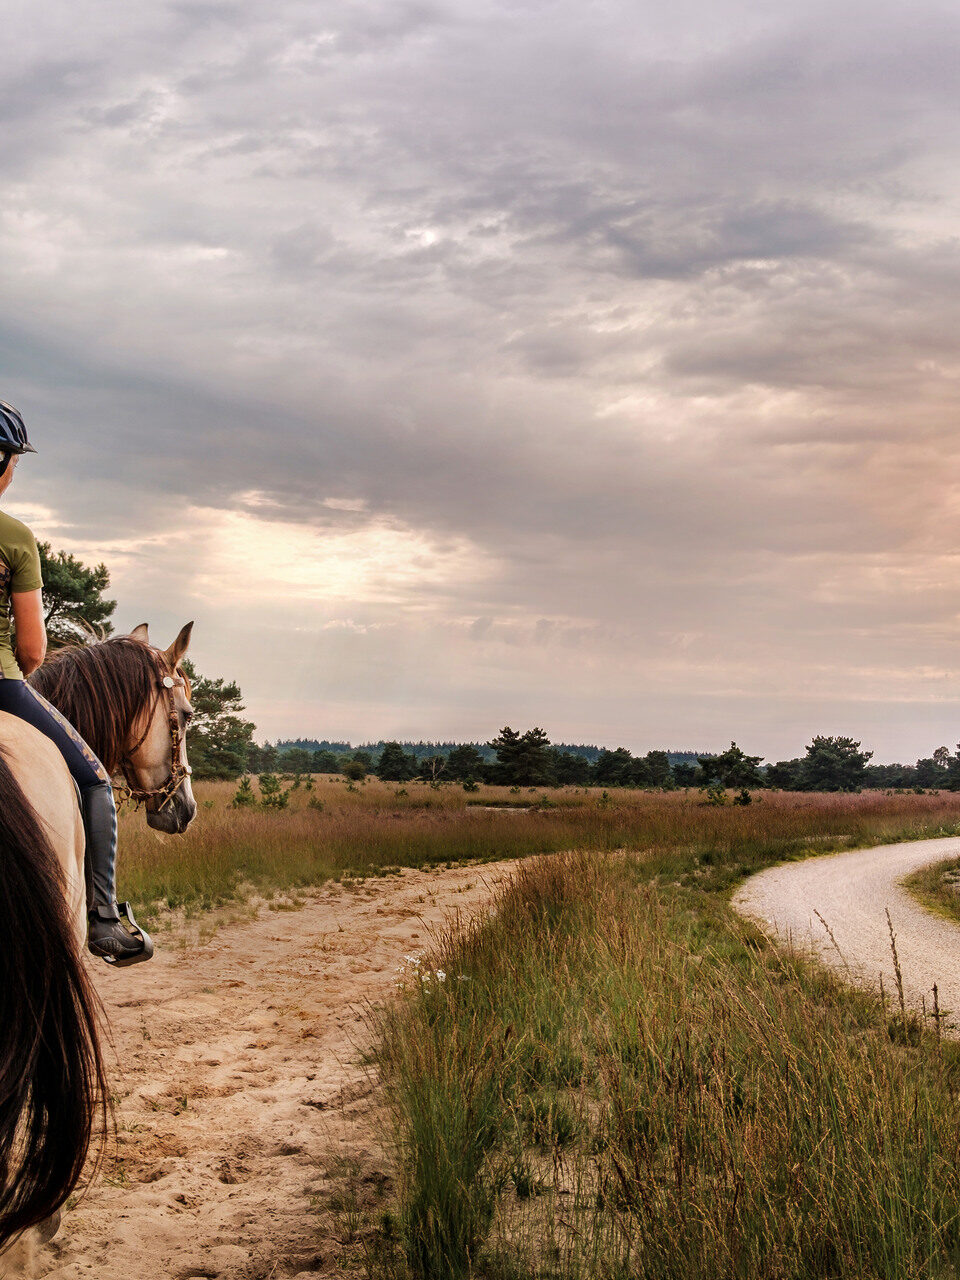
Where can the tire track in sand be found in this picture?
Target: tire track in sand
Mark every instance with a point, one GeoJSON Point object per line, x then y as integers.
{"type": "Point", "coordinates": [852, 892]}
{"type": "Point", "coordinates": [242, 1103]}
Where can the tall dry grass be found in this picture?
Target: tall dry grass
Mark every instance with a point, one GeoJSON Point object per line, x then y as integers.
{"type": "Point", "coordinates": [376, 826]}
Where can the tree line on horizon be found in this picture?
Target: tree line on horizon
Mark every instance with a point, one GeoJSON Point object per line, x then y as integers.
{"type": "Point", "coordinates": [512, 758]}
{"type": "Point", "coordinates": [529, 759]}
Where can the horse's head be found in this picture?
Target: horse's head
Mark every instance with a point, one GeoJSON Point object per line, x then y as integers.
{"type": "Point", "coordinates": [155, 758]}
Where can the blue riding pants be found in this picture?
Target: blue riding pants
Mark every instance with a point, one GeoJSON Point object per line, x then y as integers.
{"type": "Point", "coordinates": [96, 794]}
{"type": "Point", "coordinates": [19, 699]}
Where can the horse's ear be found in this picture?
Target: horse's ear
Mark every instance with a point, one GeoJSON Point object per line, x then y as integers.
{"type": "Point", "coordinates": [179, 647]}
{"type": "Point", "coordinates": [140, 633]}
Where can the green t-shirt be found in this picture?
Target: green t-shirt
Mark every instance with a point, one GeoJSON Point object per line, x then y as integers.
{"type": "Point", "coordinates": [19, 571]}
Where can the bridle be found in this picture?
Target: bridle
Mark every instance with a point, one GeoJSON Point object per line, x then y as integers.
{"type": "Point", "coordinates": [178, 770]}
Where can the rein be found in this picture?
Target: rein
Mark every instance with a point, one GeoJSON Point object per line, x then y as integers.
{"type": "Point", "coordinates": [178, 770]}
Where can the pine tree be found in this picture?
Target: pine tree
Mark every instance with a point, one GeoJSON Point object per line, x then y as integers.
{"type": "Point", "coordinates": [297, 761]}
{"type": "Point", "coordinates": [244, 797]}
{"type": "Point", "coordinates": [219, 739]}
{"type": "Point", "coordinates": [732, 768]}
{"type": "Point", "coordinates": [74, 610]}
{"type": "Point", "coordinates": [523, 760]}
{"type": "Point", "coordinates": [272, 794]}
{"type": "Point", "coordinates": [464, 763]}
{"type": "Point", "coordinates": [833, 764]}
{"type": "Point", "coordinates": [615, 768]}
{"type": "Point", "coordinates": [263, 759]}
{"type": "Point", "coordinates": [394, 764]}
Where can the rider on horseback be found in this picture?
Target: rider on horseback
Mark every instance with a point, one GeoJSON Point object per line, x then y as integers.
{"type": "Point", "coordinates": [116, 939]}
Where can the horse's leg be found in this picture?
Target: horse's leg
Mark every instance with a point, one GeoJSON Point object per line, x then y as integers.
{"type": "Point", "coordinates": [18, 1260]}
{"type": "Point", "coordinates": [48, 1228]}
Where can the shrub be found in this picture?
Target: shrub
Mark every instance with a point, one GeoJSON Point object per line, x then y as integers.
{"type": "Point", "coordinates": [272, 794]}
{"type": "Point", "coordinates": [244, 797]}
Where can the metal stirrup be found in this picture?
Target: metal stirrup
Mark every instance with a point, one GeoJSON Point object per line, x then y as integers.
{"type": "Point", "coordinates": [130, 925]}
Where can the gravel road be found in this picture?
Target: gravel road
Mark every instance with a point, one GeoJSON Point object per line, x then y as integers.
{"type": "Point", "coordinates": [852, 892]}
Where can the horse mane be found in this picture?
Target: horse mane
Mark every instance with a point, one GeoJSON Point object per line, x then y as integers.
{"type": "Point", "coordinates": [101, 688]}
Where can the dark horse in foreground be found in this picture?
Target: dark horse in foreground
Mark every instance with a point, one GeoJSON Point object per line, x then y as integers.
{"type": "Point", "coordinates": [131, 703]}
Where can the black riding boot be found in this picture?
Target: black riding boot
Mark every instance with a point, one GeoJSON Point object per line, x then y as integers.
{"type": "Point", "coordinates": [113, 934]}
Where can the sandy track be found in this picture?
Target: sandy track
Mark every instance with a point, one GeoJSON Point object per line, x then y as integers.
{"type": "Point", "coordinates": [242, 1103]}
{"type": "Point", "coordinates": [852, 891]}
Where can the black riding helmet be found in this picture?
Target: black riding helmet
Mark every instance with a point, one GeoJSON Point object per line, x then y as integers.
{"type": "Point", "coordinates": [13, 435]}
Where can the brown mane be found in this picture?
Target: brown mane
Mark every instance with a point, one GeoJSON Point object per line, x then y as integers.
{"type": "Point", "coordinates": [101, 688]}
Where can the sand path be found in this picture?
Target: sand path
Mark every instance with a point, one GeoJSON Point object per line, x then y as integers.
{"type": "Point", "coordinates": [246, 1120]}
{"type": "Point", "coordinates": [852, 893]}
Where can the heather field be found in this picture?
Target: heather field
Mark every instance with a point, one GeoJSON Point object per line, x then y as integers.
{"type": "Point", "coordinates": [610, 1075]}
{"type": "Point", "coordinates": [334, 829]}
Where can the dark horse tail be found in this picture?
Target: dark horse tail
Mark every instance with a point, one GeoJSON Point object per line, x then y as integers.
{"type": "Point", "coordinates": [52, 1083]}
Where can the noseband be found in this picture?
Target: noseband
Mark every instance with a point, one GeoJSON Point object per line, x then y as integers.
{"type": "Point", "coordinates": [178, 770]}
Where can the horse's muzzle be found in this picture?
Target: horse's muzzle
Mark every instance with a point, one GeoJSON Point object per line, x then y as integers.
{"type": "Point", "coordinates": [175, 816]}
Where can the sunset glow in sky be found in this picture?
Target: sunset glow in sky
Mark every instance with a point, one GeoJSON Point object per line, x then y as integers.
{"type": "Point", "coordinates": [464, 362]}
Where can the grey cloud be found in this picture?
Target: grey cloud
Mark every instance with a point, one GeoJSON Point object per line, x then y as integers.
{"type": "Point", "coordinates": [687, 241]}
{"type": "Point", "coordinates": [370, 27]}
{"type": "Point", "coordinates": [649, 305]}
{"type": "Point", "coordinates": [31, 90]}
{"type": "Point", "coordinates": [303, 248]}
{"type": "Point", "coordinates": [202, 13]}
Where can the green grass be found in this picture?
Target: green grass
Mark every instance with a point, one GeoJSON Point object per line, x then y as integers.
{"type": "Point", "coordinates": [936, 887]}
{"type": "Point", "coordinates": [687, 1101]}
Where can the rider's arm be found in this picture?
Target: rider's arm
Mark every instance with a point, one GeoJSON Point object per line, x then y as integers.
{"type": "Point", "coordinates": [31, 633]}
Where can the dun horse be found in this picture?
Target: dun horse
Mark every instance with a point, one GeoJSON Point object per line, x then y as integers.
{"type": "Point", "coordinates": [130, 701]}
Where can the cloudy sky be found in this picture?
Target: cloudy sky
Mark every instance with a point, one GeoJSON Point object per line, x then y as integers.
{"type": "Point", "coordinates": [585, 363]}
